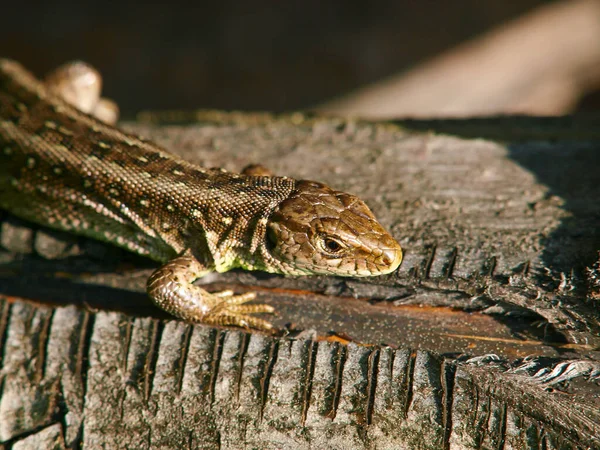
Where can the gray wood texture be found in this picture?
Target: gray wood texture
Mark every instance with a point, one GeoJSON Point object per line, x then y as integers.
{"type": "Point", "coordinates": [487, 337]}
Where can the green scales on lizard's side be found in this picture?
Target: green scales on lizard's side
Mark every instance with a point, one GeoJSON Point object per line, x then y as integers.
{"type": "Point", "coordinates": [63, 168]}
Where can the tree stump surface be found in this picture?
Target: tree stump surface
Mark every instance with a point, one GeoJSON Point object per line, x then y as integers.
{"type": "Point", "coordinates": [486, 337]}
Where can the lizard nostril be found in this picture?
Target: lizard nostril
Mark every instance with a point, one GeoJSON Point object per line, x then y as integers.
{"type": "Point", "coordinates": [392, 256]}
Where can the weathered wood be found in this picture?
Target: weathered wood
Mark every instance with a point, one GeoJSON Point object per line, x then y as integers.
{"type": "Point", "coordinates": [109, 381]}
{"type": "Point", "coordinates": [501, 237]}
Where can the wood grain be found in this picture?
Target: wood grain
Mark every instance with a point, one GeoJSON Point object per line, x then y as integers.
{"type": "Point", "coordinates": [490, 327]}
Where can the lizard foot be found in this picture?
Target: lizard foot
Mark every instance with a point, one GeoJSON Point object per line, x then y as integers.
{"type": "Point", "coordinates": [230, 309]}
{"type": "Point", "coordinates": [257, 170]}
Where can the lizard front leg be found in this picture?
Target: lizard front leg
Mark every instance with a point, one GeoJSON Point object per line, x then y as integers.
{"type": "Point", "coordinates": [171, 288]}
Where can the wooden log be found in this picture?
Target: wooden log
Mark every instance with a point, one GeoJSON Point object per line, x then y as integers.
{"type": "Point", "coordinates": [486, 337]}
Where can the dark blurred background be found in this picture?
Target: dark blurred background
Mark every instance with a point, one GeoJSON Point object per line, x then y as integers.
{"type": "Point", "coordinates": [401, 57]}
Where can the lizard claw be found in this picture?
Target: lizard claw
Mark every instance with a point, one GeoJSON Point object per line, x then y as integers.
{"type": "Point", "coordinates": [228, 298]}
{"type": "Point", "coordinates": [223, 294]}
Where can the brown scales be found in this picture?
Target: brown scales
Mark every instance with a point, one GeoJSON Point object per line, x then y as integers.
{"type": "Point", "coordinates": [65, 169]}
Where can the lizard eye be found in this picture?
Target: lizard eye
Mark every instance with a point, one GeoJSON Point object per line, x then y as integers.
{"type": "Point", "coordinates": [331, 246]}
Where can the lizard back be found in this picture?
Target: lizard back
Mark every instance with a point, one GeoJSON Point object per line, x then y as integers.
{"type": "Point", "coordinates": [62, 168]}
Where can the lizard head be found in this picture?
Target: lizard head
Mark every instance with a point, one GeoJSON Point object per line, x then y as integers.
{"type": "Point", "coordinates": [317, 230]}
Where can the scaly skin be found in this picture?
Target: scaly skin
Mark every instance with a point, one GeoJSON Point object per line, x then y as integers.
{"type": "Point", "coordinates": [63, 168]}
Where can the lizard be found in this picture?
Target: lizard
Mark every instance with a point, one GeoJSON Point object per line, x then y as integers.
{"type": "Point", "coordinates": [62, 167]}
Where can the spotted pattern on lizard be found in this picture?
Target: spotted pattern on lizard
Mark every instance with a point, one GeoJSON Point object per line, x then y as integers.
{"type": "Point", "coordinates": [63, 168]}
